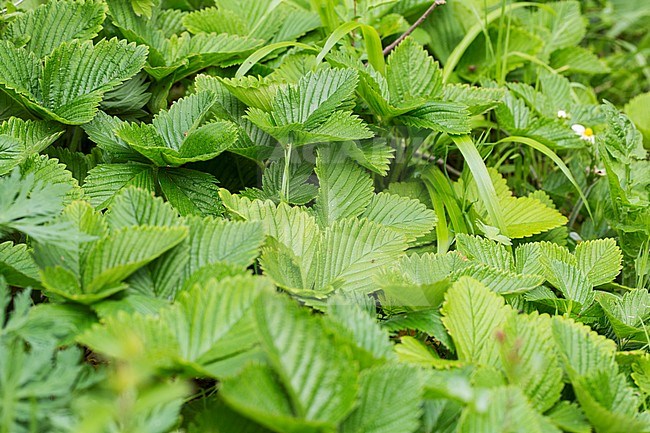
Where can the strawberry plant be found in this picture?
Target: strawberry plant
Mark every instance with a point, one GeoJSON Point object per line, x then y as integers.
{"type": "Point", "coordinates": [354, 216]}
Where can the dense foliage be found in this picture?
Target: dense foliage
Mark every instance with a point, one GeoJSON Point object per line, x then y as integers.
{"type": "Point", "coordinates": [324, 216]}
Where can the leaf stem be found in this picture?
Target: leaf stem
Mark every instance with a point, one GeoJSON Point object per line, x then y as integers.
{"type": "Point", "coordinates": [285, 173]}
{"type": "Point", "coordinates": [415, 25]}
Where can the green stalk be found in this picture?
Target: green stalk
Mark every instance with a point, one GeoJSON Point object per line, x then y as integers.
{"type": "Point", "coordinates": [483, 181]}
{"type": "Point", "coordinates": [285, 173]}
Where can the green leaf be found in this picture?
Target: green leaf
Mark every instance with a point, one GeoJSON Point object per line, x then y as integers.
{"type": "Point", "coordinates": [257, 92]}
{"type": "Point", "coordinates": [206, 320]}
{"type": "Point", "coordinates": [600, 260]}
{"type": "Point", "coordinates": [106, 180]}
{"type": "Point", "coordinates": [206, 415]}
{"type": "Point", "coordinates": [525, 216]}
{"type": "Point", "coordinates": [191, 192]}
{"type": "Point", "coordinates": [472, 314]}
{"type": "Point", "coordinates": [134, 207]}
{"type": "Point", "coordinates": [389, 401]}
{"type": "Point", "coordinates": [406, 216]}
{"type": "Point", "coordinates": [412, 75]}
{"type": "Point", "coordinates": [212, 240]}
{"type": "Point", "coordinates": [609, 403]}
{"type": "Point", "coordinates": [75, 102]}
{"type": "Point", "coordinates": [86, 225]}
{"type": "Point", "coordinates": [487, 192]}
{"type": "Point", "coordinates": [370, 342]}
{"type": "Point", "coordinates": [627, 313]}
{"type": "Point", "coordinates": [143, 7]}
{"type": "Point", "coordinates": [171, 53]}
{"type": "Point", "coordinates": [577, 59]}
{"type": "Point", "coordinates": [133, 336]}
{"type": "Point", "coordinates": [26, 204]}
{"type": "Point", "coordinates": [638, 112]}
{"type": "Point", "coordinates": [40, 377]}
{"type": "Point", "coordinates": [316, 109]}
{"type": "Point", "coordinates": [485, 251]}
{"type": "Point", "coordinates": [17, 265]}
{"type": "Point", "coordinates": [113, 259]}
{"type": "Point", "coordinates": [39, 29]}
{"type": "Point", "coordinates": [565, 23]}
{"type": "Point", "coordinates": [572, 282]}
{"type": "Point", "coordinates": [505, 409]}
{"type": "Point", "coordinates": [530, 360]}
{"type": "Point", "coordinates": [49, 170]}
{"type": "Point", "coordinates": [369, 154]}
{"type": "Point", "coordinates": [320, 381]}
{"type": "Point", "coordinates": [258, 394]}
{"type": "Point", "coordinates": [521, 216]}
{"type": "Point", "coordinates": [582, 350]}
{"type": "Point", "coordinates": [569, 417]}
{"type": "Point", "coordinates": [315, 97]}
{"type": "Point", "coordinates": [352, 251]}
{"type": "Point", "coordinates": [345, 188]}
{"type": "Point", "coordinates": [20, 139]}
{"type": "Point", "coordinates": [448, 117]}
{"type": "Point", "coordinates": [101, 130]}
{"type": "Point", "coordinates": [500, 281]}
{"type": "Point", "coordinates": [300, 190]}
{"type": "Point", "coordinates": [180, 135]}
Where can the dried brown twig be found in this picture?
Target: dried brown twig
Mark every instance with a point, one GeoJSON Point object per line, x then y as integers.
{"type": "Point", "coordinates": [415, 25]}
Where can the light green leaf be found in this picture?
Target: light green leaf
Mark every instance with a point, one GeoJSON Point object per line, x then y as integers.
{"type": "Point", "coordinates": [572, 282]}
{"type": "Point", "coordinates": [406, 216]}
{"type": "Point", "coordinates": [316, 96]}
{"type": "Point", "coordinates": [472, 314]}
{"type": "Point", "coordinates": [485, 251]}
{"type": "Point", "coordinates": [320, 380]}
{"type": "Point", "coordinates": [352, 251]}
{"type": "Point", "coordinates": [504, 409]}
{"type": "Point", "coordinates": [114, 258]}
{"type": "Point", "coordinates": [205, 320]}
{"type": "Point", "coordinates": [258, 394]}
{"type": "Point", "coordinates": [27, 203]}
{"type": "Point", "coordinates": [530, 360]}
{"type": "Point", "coordinates": [370, 342]}
{"type": "Point", "coordinates": [627, 314]}
{"type": "Point", "coordinates": [345, 188]}
{"type": "Point", "coordinates": [501, 281]}
{"type": "Point", "coordinates": [40, 31]}
{"type": "Point", "coordinates": [610, 404]}
{"type": "Point", "coordinates": [106, 180]}
{"type": "Point", "coordinates": [600, 260]}
{"type": "Point", "coordinates": [389, 401]}
{"type": "Point", "coordinates": [212, 240]}
{"type": "Point", "coordinates": [577, 59]}
{"type": "Point", "coordinates": [638, 111]}
{"type": "Point", "coordinates": [134, 206]}
{"type": "Point", "coordinates": [525, 216]}
{"type": "Point", "coordinates": [101, 130]}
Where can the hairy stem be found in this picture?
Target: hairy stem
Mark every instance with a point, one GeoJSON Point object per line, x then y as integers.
{"type": "Point", "coordinates": [415, 25]}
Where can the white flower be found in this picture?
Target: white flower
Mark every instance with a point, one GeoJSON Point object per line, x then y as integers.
{"type": "Point", "coordinates": [586, 134]}
{"type": "Point", "coordinates": [561, 114]}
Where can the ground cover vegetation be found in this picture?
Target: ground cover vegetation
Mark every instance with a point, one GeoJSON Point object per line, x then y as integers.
{"type": "Point", "coordinates": [343, 216]}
